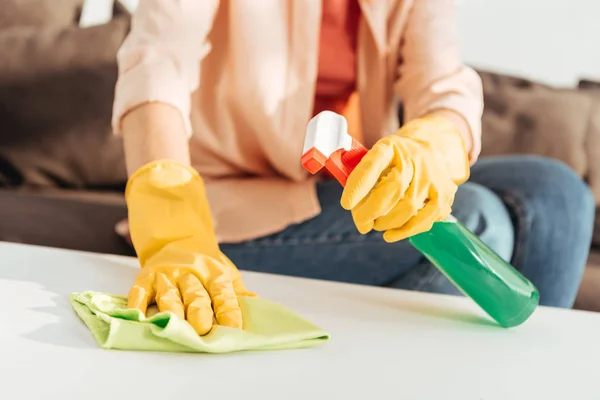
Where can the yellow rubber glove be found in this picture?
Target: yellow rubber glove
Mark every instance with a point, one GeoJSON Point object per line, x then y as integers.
{"type": "Point", "coordinates": [408, 180]}
{"type": "Point", "coordinates": [183, 269]}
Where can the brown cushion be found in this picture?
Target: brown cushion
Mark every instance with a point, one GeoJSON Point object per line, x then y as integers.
{"type": "Point", "coordinates": [56, 93]}
{"type": "Point", "coordinates": [523, 117]}
{"type": "Point", "coordinates": [592, 146]}
{"type": "Point", "coordinates": [593, 149]}
{"type": "Point", "coordinates": [63, 220]}
{"type": "Point", "coordinates": [49, 13]}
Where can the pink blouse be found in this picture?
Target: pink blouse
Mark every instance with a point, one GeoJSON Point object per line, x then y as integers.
{"type": "Point", "coordinates": [248, 75]}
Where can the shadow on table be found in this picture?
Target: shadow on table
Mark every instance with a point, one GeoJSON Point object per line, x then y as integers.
{"type": "Point", "coordinates": [424, 308]}
{"type": "Point", "coordinates": [91, 272]}
{"type": "Point", "coordinates": [448, 314]}
{"type": "Point", "coordinates": [54, 333]}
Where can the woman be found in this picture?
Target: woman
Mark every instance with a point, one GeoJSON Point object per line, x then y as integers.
{"type": "Point", "coordinates": [212, 101]}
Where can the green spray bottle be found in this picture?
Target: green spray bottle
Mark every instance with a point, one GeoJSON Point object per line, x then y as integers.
{"type": "Point", "coordinates": [498, 288]}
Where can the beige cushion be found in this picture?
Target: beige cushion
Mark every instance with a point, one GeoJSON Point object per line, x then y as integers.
{"type": "Point", "coordinates": [48, 13]}
{"type": "Point", "coordinates": [593, 149]}
{"type": "Point", "coordinates": [523, 117]}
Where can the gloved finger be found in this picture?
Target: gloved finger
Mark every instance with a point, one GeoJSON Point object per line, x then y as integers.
{"type": "Point", "coordinates": [366, 174]}
{"type": "Point", "coordinates": [405, 209]}
{"type": "Point", "coordinates": [450, 202]}
{"type": "Point", "coordinates": [386, 194]}
{"type": "Point", "coordinates": [198, 308]}
{"type": "Point", "coordinates": [445, 204]}
{"type": "Point", "coordinates": [438, 204]}
{"type": "Point", "coordinates": [422, 222]}
{"type": "Point", "coordinates": [364, 226]}
{"type": "Point", "coordinates": [399, 216]}
{"type": "Point", "coordinates": [225, 303]}
{"type": "Point", "coordinates": [142, 293]}
{"type": "Point", "coordinates": [444, 196]}
{"type": "Point", "coordinates": [167, 295]}
{"type": "Point", "coordinates": [236, 278]}
{"type": "Point", "coordinates": [240, 289]}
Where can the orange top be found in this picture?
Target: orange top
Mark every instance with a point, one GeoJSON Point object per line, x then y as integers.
{"type": "Point", "coordinates": [336, 79]}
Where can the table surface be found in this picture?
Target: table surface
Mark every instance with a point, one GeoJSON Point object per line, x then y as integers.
{"type": "Point", "coordinates": [384, 343]}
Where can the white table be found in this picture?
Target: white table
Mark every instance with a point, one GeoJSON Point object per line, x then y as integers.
{"type": "Point", "coordinates": [385, 344]}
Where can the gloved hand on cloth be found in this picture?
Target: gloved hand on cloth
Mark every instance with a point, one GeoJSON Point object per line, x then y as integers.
{"type": "Point", "coordinates": [183, 270]}
{"type": "Point", "coordinates": [408, 180]}
{"type": "Point", "coordinates": [187, 276]}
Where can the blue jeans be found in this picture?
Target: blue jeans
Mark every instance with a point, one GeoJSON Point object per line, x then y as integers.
{"type": "Point", "coordinates": [533, 211]}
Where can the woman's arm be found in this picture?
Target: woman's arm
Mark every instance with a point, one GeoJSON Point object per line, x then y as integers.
{"type": "Point", "coordinates": [432, 78]}
{"type": "Point", "coordinates": [158, 70]}
{"type": "Point", "coordinates": [154, 131]}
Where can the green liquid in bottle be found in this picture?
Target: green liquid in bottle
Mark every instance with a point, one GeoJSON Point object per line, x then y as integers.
{"type": "Point", "coordinates": [498, 288]}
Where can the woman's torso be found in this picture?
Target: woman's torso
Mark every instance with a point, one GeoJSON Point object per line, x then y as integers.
{"type": "Point", "coordinates": [267, 74]}
{"type": "Point", "coordinates": [257, 93]}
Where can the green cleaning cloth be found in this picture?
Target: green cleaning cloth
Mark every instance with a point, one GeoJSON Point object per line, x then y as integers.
{"type": "Point", "coordinates": [267, 326]}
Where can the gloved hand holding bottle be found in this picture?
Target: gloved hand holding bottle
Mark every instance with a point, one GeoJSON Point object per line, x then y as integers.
{"type": "Point", "coordinates": [408, 180]}
{"type": "Point", "coordinates": [405, 186]}
{"type": "Point", "coordinates": [183, 269]}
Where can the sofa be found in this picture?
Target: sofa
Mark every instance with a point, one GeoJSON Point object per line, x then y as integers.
{"type": "Point", "coordinates": [57, 84]}
{"type": "Point", "coordinates": [526, 117]}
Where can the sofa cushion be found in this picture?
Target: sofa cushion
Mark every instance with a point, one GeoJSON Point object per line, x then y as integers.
{"type": "Point", "coordinates": [524, 117]}
{"type": "Point", "coordinates": [65, 219]}
{"type": "Point", "coordinates": [593, 148]}
{"type": "Point", "coordinates": [37, 13]}
{"type": "Point", "coordinates": [56, 93]}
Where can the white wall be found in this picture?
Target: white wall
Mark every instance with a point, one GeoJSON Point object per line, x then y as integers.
{"type": "Point", "coordinates": [555, 41]}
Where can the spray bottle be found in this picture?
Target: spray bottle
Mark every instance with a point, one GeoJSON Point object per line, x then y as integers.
{"type": "Point", "coordinates": [498, 288]}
